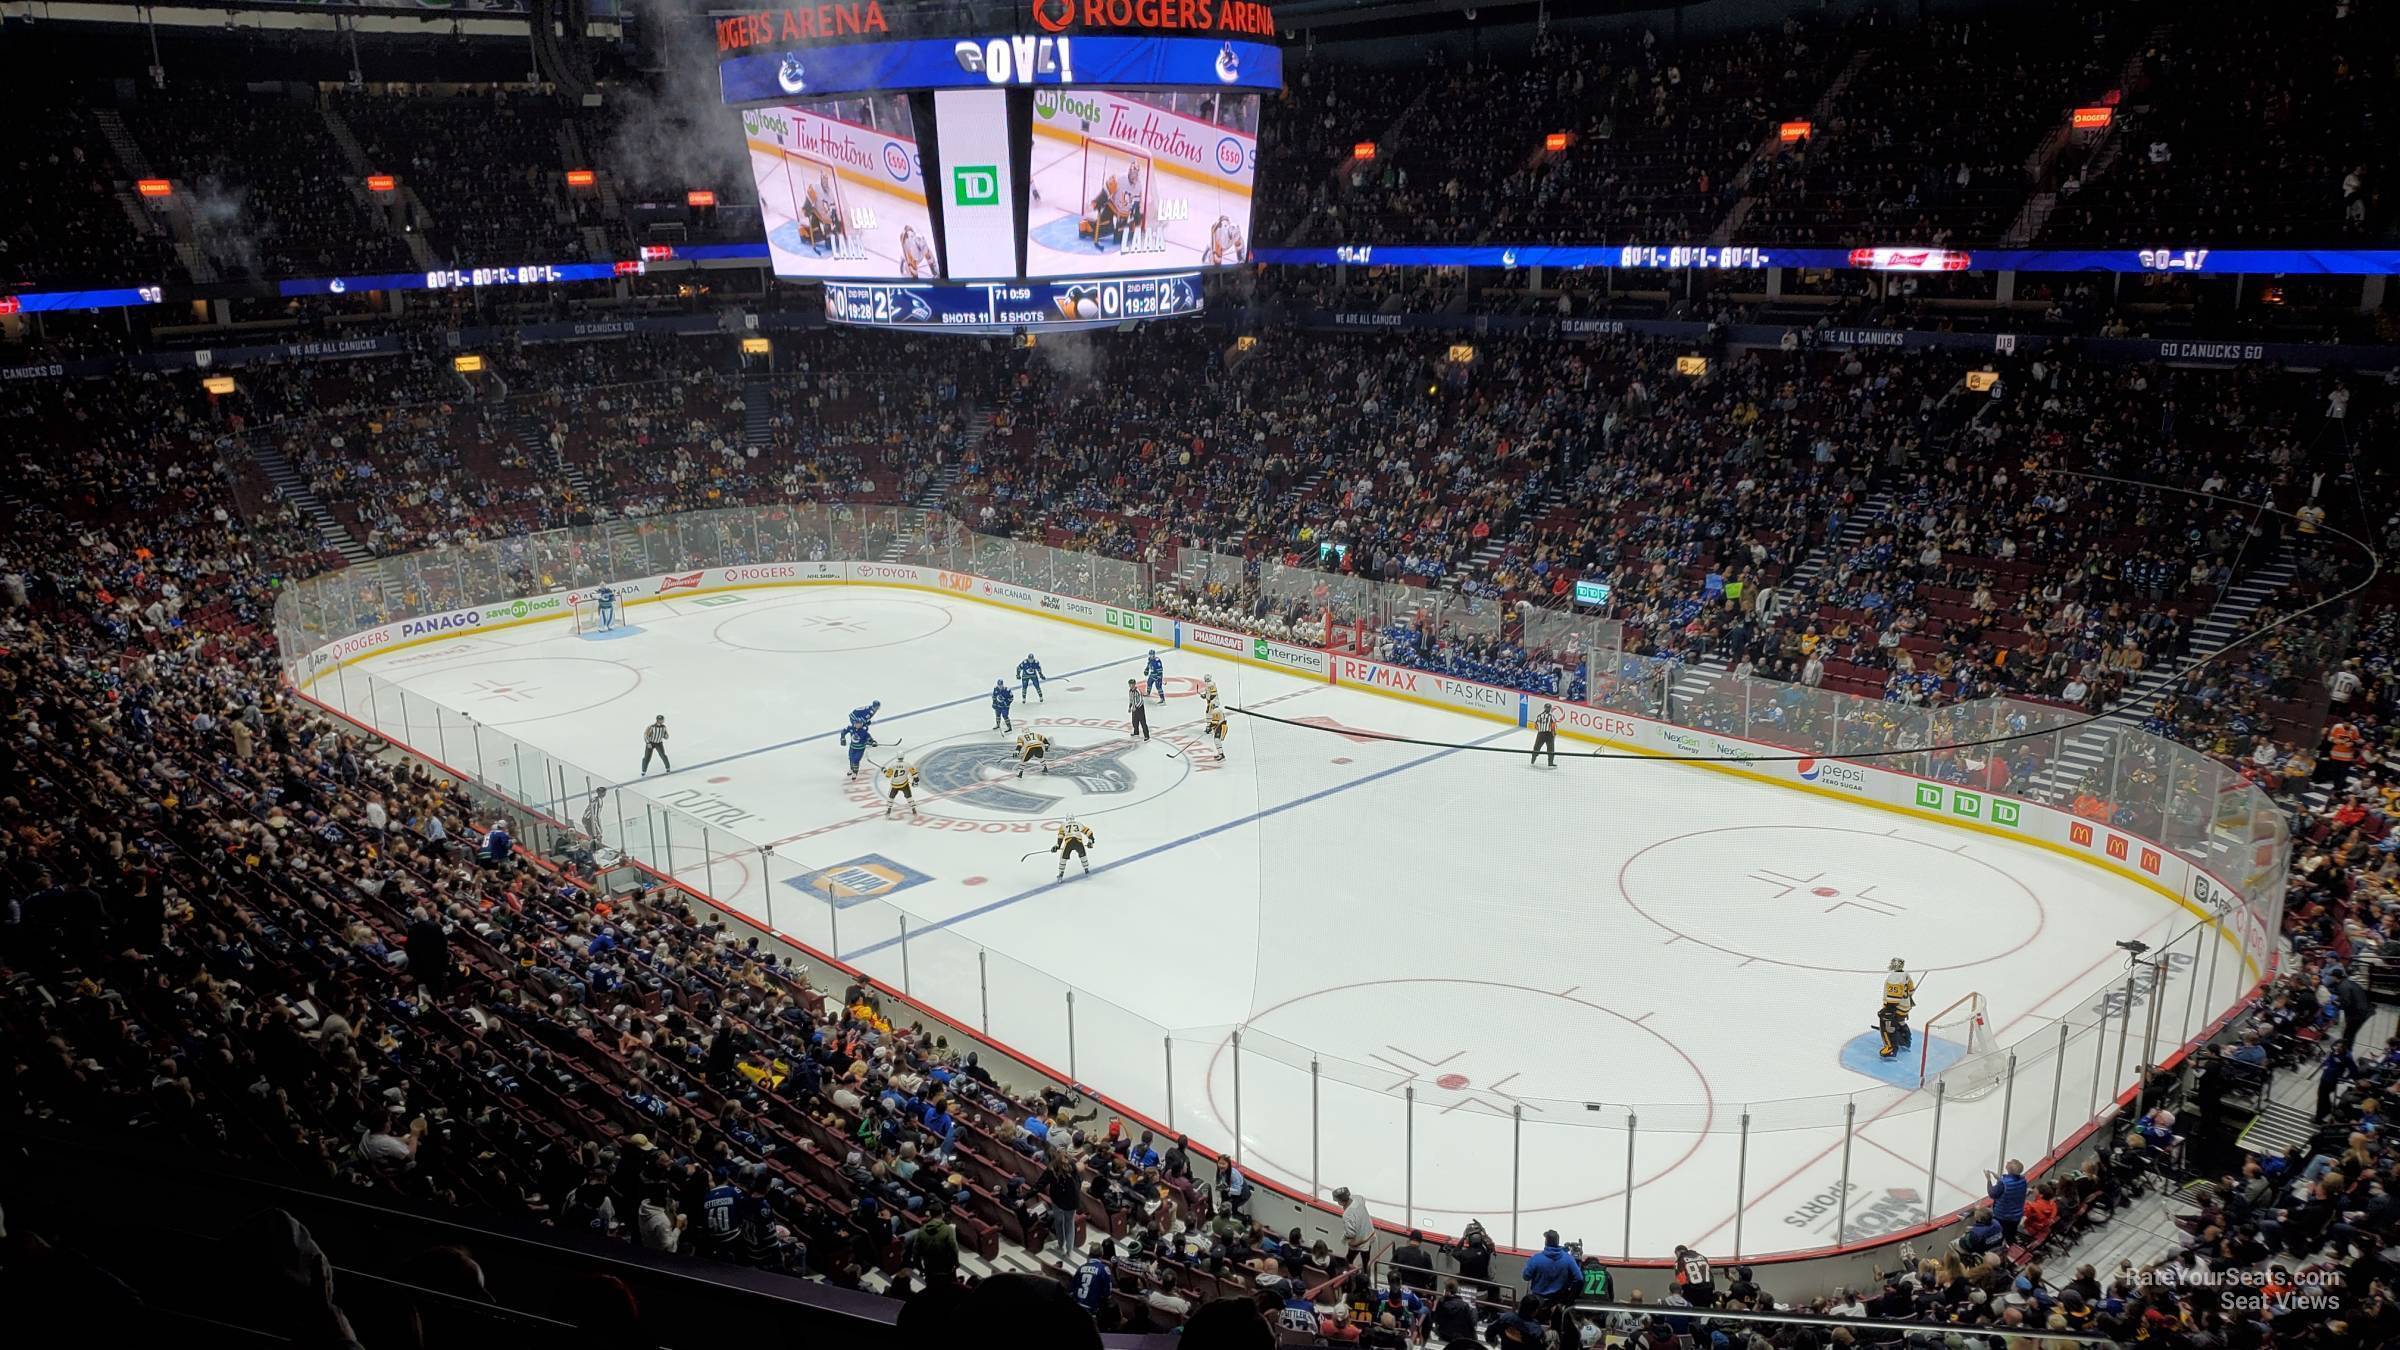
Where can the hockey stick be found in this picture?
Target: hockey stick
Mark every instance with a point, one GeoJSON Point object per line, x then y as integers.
{"type": "Point", "coordinates": [1036, 853]}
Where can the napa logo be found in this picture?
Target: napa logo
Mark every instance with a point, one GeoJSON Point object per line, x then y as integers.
{"type": "Point", "coordinates": [1231, 156]}
{"type": "Point", "coordinates": [441, 623]}
{"type": "Point", "coordinates": [1832, 773]}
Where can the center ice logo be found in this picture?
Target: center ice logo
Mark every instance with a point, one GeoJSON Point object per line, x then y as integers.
{"type": "Point", "coordinates": [984, 774]}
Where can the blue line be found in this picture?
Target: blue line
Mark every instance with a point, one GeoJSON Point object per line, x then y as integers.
{"type": "Point", "coordinates": [827, 735]}
{"type": "Point", "coordinates": [873, 947]}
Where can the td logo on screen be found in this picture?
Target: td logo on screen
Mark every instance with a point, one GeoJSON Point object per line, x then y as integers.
{"type": "Point", "coordinates": [975, 185]}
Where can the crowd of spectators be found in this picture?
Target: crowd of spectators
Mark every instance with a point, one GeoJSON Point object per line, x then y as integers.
{"type": "Point", "coordinates": [1929, 141]}
{"type": "Point", "coordinates": [268, 192]}
{"type": "Point", "coordinates": [488, 167]}
{"type": "Point", "coordinates": [2226, 89]}
{"type": "Point", "coordinates": [80, 232]}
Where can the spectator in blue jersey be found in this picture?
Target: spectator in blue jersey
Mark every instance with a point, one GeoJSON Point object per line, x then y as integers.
{"type": "Point", "coordinates": [1553, 1274]}
{"type": "Point", "coordinates": [1095, 1281]}
{"type": "Point", "coordinates": [497, 846]}
{"type": "Point", "coordinates": [1982, 1235]}
{"type": "Point", "coordinates": [2007, 1192]}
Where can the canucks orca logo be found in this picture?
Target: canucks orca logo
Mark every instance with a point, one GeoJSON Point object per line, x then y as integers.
{"type": "Point", "coordinates": [984, 774]}
{"type": "Point", "coordinates": [1229, 66]}
{"type": "Point", "coordinates": [792, 75]}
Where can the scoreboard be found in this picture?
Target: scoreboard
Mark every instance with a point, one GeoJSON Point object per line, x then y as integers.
{"type": "Point", "coordinates": [988, 166]}
{"type": "Point", "coordinates": [1007, 306]}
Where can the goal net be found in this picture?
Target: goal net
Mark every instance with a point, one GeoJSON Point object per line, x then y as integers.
{"type": "Point", "coordinates": [587, 615]}
{"type": "Point", "coordinates": [1117, 183]}
{"type": "Point", "coordinates": [1957, 1046]}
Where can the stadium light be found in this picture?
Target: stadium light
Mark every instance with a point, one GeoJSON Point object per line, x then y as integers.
{"type": "Point", "coordinates": [155, 187]}
{"type": "Point", "coordinates": [218, 385]}
{"type": "Point", "coordinates": [756, 346]}
{"type": "Point", "coordinates": [1557, 141]}
{"type": "Point", "coordinates": [1363, 150]}
{"type": "Point", "coordinates": [466, 365]}
{"type": "Point", "coordinates": [381, 182]}
{"type": "Point", "coordinates": [580, 178]}
{"type": "Point", "coordinates": [1795, 131]}
{"type": "Point", "coordinates": [1694, 366]}
{"type": "Point", "coordinates": [699, 197]}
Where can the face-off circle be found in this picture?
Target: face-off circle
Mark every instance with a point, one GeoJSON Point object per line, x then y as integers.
{"type": "Point", "coordinates": [1096, 766]}
{"type": "Point", "coordinates": [512, 691]}
{"type": "Point", "coordinates": [847, 624]}
{"type": "Point", "coordinates": [1818, 897]}
{"type": "Point", "coordinates": [1384, 1038]}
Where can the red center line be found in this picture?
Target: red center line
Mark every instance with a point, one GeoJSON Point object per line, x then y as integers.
{"type": "Point", "coordinates": [1794, 1174]}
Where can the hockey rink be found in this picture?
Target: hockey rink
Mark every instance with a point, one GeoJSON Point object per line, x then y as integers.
{"type": "Point", "coordinates": [1518, 987]}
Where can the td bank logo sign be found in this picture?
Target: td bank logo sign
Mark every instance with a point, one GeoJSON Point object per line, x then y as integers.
{"type": "Point", "coordinates": [1131, 621]}
{"type": "Point", "coordinates": [975, 185]}
{"type": "Point", "coordinates": [1970, 805]}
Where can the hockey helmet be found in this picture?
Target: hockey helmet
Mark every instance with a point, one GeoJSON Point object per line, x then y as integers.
{"type": "Point", "coordinates": [1898, 964]}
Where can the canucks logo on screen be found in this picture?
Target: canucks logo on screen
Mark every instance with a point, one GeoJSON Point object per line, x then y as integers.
{"type": "Point", "coordinates": [791, 76]}
{"type": "Point", "coordinates": [1229, 66]}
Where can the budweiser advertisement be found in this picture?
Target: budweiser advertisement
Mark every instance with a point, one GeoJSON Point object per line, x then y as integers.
{"type": "Point", "coordinates": [1911, 259]}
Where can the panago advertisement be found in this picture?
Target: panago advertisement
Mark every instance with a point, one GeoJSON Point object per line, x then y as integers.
{"type": "Point", "coordinates": [2127, 855]}
{"type": "Point", "coordinates": [1139, 182]}
{"type": "Point", "coordinates": [842, 189]}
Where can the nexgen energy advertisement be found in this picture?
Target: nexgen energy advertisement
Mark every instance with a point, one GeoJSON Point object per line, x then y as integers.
{"type": "Point", "coordinates": [842, 189]}
{"type": "Point", "coordinates": [1126, 182]}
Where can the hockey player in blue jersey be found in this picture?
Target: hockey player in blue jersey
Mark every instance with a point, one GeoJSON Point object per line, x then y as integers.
{"type": "Point", "coordinates": [860, 734]}
{"type": "Point", "coordinates": [1029, 678]}
{"type": "Point", "coordinates": [1001, 699]}
{"type": "Point", "coordinates": [1154, 677]}
{"type": "Point", "coordinates": [606, 603]}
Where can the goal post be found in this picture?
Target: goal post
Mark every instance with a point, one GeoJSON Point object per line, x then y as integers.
{"type": "Point", "coordinates": [1959, 1047]}
{"type": "Point", "coordinates": [587, 614]}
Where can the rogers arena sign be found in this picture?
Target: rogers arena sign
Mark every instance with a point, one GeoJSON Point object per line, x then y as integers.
{"type": "Point", "coordinates": [1155, 16]}
{"type": "Point", "coordinates": [772, 27]}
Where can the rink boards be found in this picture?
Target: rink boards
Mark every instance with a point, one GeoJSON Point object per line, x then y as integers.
{"type": "Point", "coordinates": [2096, 844]}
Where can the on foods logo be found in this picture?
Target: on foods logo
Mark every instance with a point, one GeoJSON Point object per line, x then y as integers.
{"type": "Point", "coordinates": [1832, 773]}
{"type": "Point", "coordinates": [1132, 621]}
{"type": "Point", "coordinates": [690, 581]}
{"type": "Point", "coordinates": [518, 609]}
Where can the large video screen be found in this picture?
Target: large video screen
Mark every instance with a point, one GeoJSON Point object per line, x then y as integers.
{"type": "Point", "coordinates": [842, 188]}
{"type": "Point", "coordinates": [1139, 182]}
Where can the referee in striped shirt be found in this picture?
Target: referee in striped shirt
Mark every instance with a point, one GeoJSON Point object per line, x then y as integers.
{"type": "Point", "coordinates": [1545, 735]}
